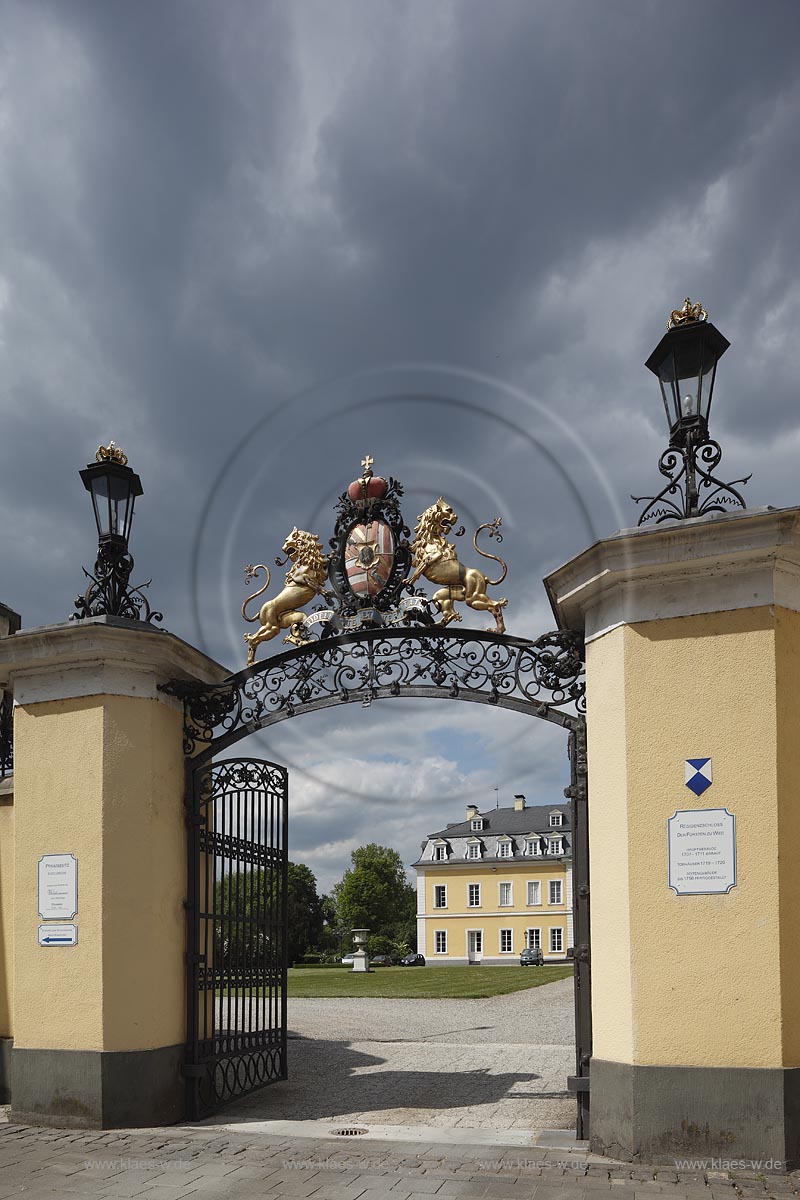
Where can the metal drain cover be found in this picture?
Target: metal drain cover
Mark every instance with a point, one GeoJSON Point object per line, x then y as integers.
{"type": "Point", "coordinates": [352, 1131]}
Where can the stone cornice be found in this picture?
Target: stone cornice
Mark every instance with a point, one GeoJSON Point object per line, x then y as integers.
{"type": "Point", "coordinates": [708, 564]}
{"type": "Point", "coordinates": [99, 656]}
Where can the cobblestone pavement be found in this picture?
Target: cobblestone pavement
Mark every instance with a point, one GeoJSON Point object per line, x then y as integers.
{"type": "Point", "coordinates": [48, 1164]}
{"type": "Point", "coordinates": [500, 1063]}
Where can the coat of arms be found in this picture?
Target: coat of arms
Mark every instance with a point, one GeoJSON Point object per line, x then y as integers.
{"type": "Point", "coordinates": [368, 557]}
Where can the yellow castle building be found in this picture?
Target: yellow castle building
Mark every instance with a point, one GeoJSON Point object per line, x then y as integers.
{"type": "Point", "coordinates": [496, 883]}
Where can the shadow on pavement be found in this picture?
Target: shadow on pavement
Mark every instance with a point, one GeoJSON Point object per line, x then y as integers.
{"type": "Point", "coordinates": [327, 1079]}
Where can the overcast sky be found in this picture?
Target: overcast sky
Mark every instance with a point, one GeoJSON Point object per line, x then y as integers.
{"type": "Point", "coordinates": [253, 241]}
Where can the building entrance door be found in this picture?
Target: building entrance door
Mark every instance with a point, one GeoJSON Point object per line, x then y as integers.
{"type": "Point", "coordinates": [475, 945]}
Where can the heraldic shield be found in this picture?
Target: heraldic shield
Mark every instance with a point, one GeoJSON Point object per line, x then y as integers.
{"type": "Point", "coordinates": [369, 557]}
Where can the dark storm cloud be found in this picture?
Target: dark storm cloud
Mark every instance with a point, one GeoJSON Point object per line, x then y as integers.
{"type": "Point", "coordinates": [208, 209]}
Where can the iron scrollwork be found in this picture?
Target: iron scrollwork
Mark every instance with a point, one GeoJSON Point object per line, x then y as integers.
{"type": "Point", "coordinates": [544, 678]}
{"type": "Point", "coordinates": [693, 490]}
{"type": "Point", "coordinates": [110, 591]}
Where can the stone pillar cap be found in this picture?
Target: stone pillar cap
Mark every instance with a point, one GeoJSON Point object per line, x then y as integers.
{"type": "Point", "coordinates": [716, 563]}
{"type": "Point", "coordinates": [99, 656]}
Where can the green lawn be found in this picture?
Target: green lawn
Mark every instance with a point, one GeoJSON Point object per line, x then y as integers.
{"type": "Point", "coordinates": [461, 983]}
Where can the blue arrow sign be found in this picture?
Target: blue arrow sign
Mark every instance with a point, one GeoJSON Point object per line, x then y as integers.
{"type": "Point", "coordinates": [58, 935]}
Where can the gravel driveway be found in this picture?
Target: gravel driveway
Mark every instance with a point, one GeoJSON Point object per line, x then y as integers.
{"type": "Point", "coordinates": [499, 1063]}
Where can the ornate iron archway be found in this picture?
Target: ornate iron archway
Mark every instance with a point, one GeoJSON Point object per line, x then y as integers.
{"type": "Point", "coordinates": [542, 678]}
{"type": "Point", "coordinates": [364, 642]}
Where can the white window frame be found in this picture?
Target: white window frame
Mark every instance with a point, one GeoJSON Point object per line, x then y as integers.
{"type": "Point", "coordinates": [555, 883]}
{"type": "Point", "coordinates": [556, 819]}
{"type": "Point", "coordinates": [510, 948]}
{"type": "Point", "coordinates": [436, 887]}
{"type": "Point", "coordinates": [509, 903]}
{"type": "Point", "coordinates": [469, 902]}
{"type": "Point", "coordinates": [533, 847]}
{"type": "Point", "coordinates": [536, 884]}
{"type": "Point", "coordinates": [478, 949]}
{"type": "Point", "coordinates": [534, 943]}
{"type": "Point", "coordinates": [440, 852]}
{"type": "Point", "coordinates": [556, 929]}
{"type": "Point", "coordinates": [473, 850]}
{"type": "Point", "coordinates": [555, 845]}
{"type": "Point", "coordinates": [437, 934]}
{"type": "Point", "coordinates": [476, 824]}
{"type": "Point", "coordinates": [504, 848]}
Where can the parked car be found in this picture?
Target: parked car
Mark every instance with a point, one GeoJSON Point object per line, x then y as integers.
{"type": "Point", "coordinates": [348, 959]}
{"type": "Point", "coordinates": [381, 960]}
{"type": "Point", "coordinates": [412, 960]}
{"type": "Point", "coordinates": [531, 957]}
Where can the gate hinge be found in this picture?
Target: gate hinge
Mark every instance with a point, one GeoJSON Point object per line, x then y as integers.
{"type": "Point", "coordinates": [193, 959]}
{"type": "Point", "coordinates": [579, 953]}
{"type": "Point", "coordinates": [193, 1070]}
{"type": "Point", "coordinates": [578, 1083]}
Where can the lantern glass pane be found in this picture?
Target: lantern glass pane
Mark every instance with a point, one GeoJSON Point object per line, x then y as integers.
{"type": "Point", "coordinates": [670, 388]}
{"type": "Point", "coordinates": [112, 502]}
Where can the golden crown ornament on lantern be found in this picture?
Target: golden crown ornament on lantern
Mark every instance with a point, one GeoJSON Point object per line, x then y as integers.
{"type": "Point", "coordinates": [687, 315]}
{"type": "Point", "coordinates": [111, 453]}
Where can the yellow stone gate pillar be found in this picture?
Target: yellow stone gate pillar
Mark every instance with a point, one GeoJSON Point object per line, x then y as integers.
{"type": "Point", "coordinates": [693, 652]}
{"type": "Point", "coordinates": [99, 1025]}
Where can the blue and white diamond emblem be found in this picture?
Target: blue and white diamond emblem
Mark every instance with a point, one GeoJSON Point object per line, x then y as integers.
{"type": "Point", "coordinates": [698, 775]}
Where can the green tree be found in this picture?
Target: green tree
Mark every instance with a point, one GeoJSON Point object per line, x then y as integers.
{"type": "Point", "coordinates": [254, 898]}
{"type": "Point", "coordinates": [305, 911]}
{"type": "Point", "coordinates": [374, 894]}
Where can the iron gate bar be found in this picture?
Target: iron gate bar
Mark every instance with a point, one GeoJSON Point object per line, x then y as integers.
{"type": "Point", "coordinates": [544, 678]}
{"type": "Point", "coordinates": [577, 793]}
{"type": "Point", "coordinates": [237, 930]}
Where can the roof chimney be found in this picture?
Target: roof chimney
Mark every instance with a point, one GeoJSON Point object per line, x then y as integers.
{"type": "Point", "coordinates": [472, 811]}
{"type": "Point", "coordinates": [519, 803]}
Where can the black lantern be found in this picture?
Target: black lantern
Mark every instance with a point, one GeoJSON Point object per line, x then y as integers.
{"type": "Point", "coordinates": [685, 362]}
{"type": "Point", "coordinates": [113, 486]}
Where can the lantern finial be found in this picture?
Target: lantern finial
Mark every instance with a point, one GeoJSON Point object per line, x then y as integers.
{"type": "Point", "coordinates": [686, 315]}
{"type": "Point", "coordinates": [111, 453]}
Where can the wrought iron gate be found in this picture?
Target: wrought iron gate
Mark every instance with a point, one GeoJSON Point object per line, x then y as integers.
{"type": "Point", "coordinates": [237, 930]}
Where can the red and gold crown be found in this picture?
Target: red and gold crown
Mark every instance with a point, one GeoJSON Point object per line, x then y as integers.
{"type": "Point", "coordinates": [369, 486]}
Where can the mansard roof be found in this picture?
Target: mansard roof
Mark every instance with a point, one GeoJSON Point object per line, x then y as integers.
{"type": "Point", "coordinates": [535, 818]}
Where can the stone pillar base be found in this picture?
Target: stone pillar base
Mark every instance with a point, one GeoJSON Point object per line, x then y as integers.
{"type": "Point", "coordinates": [741, 1115]}
{"type": "Point", "coordinates": [6, 1045]}
{"type": "Point", "coordinates": [94, 1089]}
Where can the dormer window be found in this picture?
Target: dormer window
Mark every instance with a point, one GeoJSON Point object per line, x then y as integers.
{"type": "Point", "coordinates": [476, 824]}
{"type": "Point", "coordinates": [555, 845]}
{"type": "Point", "coordinates": [533, 845]}
{"type": "Point", "coordinates": [473, 848]}
{"type": "Point", "coordinates": [504, 848]}
{"type": "Point", "coordinates": [440, 852]}
{"type": "Point", "coordinates": [556, 818]}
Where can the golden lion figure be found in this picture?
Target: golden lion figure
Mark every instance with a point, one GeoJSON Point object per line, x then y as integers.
{"type": "Point", "coordinates": [305, 580]}
{"type": "Point", "coordinates": [436, 558]}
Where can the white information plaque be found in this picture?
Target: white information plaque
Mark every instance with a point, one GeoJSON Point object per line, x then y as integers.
{"type": "Point", "coordinates": [702, 851]}
{"type": "Point", "coordinates": [58, 887]}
